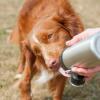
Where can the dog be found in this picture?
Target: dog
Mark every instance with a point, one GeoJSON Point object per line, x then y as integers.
{"type": "Point", "coordinates": [42, 28]}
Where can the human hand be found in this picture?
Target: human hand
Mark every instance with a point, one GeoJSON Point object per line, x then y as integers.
{"type": "Point", "coordinates": [81, 69]}
{"type": "Point", "coordinates": [85, 34]}
{"type": "Point", "coordinates": [85, 71]}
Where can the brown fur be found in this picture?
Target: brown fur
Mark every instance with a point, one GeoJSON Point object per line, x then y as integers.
{"type": "Point", "coordinates": [52, 22]}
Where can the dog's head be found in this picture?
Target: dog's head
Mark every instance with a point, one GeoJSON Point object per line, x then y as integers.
{"type": "Point", "coordinates": [51, 22]}
{"type": "Point", "coordinates": [48, 40]}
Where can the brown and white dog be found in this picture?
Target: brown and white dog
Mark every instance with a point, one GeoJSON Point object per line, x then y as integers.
{"type": "Point", "coordinates": [42, 29]}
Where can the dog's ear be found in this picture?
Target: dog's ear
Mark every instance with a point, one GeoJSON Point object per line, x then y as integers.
{"type": "Point", "coordinates": [71, 23]}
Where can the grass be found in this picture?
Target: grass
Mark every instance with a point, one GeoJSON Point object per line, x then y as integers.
{"type": "Point", "coordinates": [89, 13]}
{"type": "Point", "coordinates": [8, 63]}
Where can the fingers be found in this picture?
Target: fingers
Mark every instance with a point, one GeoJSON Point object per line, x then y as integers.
{"type": "Point", "coordinates": [77, 39]}
{"type": "Point", "coordinates": [80, 65]}
{"type": "Point", "coordinates": [84, 71]}
{"type": "Point", "coordinates": [73, 41]}
{"type": "Point", "coordinates": [88, 73]}
{"type": "Point", "coordinates": [82, 36]}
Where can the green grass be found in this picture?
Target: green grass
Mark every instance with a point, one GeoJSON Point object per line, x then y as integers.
{"type": "Point", "coordinates": [89, 12]}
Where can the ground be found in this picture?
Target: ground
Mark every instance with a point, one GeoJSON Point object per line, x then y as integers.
{"type": "Point", "coordinates": [89, 12]}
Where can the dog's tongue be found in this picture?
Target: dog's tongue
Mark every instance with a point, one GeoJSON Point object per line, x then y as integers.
{"type": "Point", "coordinates": [65, 73]}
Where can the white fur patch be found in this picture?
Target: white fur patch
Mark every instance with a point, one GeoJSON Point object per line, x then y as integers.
{"type": "Point", "coordinates": [35, 39]}
{"type": "Point", "coordinates": [45, 76]}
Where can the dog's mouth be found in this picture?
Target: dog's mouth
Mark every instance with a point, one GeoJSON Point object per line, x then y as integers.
{"type": "Point", "coordinates": [55, 68]}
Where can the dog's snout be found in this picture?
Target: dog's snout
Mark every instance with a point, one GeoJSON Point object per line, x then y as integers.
{"type": "Point", "coordinates": [53, 64]}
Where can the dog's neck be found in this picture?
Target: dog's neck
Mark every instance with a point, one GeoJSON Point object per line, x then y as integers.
{"type": "Point", "coordinates": [45, 76]}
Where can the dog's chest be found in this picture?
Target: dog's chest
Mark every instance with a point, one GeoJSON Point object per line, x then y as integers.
{"type": "Point", "coordinates": [43, 77]}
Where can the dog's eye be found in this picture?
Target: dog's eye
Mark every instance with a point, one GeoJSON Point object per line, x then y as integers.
{"type": "Point", "coordinates": [50, 36]}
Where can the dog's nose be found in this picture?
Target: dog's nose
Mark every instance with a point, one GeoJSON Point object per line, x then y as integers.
{"type": "Point", "coordinates": [53, 64]}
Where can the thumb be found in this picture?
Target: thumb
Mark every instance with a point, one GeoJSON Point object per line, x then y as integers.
{"type": "Point", "coordinates": [73, 41]}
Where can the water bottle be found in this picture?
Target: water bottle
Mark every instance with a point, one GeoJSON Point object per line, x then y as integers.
{"type": "Point", "coordinates": [87, 52]}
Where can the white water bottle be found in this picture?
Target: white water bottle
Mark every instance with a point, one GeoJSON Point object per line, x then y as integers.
{"type": "Point", "coordinates": [86, 52]}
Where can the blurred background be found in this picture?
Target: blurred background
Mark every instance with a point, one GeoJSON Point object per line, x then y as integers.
{"type": "Point", "coordinates": [89, 11]}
